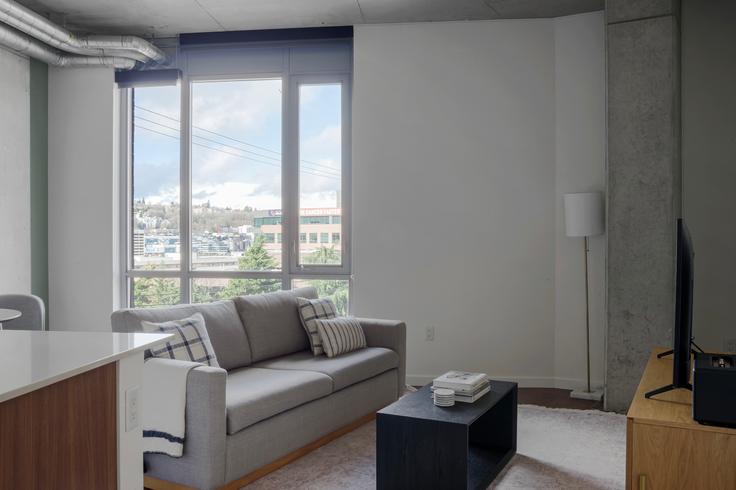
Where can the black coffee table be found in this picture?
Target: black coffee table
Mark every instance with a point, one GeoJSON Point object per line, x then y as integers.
{"type": "Point", "coordinates": [467, 445]}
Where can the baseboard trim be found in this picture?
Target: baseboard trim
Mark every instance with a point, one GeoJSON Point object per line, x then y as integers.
{"type": "Point", "coordinates": [524, 381]}
{"type": "Point", "coordinates": [152, 483]}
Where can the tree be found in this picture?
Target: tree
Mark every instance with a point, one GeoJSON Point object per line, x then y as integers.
{"type": "Point", "coordinates": [323, 255]}
{"type": "Point", "coordinates": [256, 258]}
{"type": "Point", "coordinates": [336, 290]}
{"type": "Point", "coordinates": [155, 291]}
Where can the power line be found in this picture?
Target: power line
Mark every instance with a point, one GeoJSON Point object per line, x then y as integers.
{"type": "Point", "coordinates": [232, 154]}
{"type": "Point", "coordinates": [233, 139]}
{"type": "Point", "coordinates": [335, 174]}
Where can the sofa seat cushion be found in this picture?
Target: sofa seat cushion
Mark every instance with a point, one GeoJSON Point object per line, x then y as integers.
{"type": "Point", "coordinates": [254, 394]}
{"type": "Point", "coordinates": [345, 370]}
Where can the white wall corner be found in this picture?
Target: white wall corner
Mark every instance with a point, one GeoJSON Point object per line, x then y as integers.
{"type": "Point", "coordinates": [81, 165]}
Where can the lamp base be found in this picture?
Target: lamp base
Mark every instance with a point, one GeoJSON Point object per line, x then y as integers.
{"type": "Point", "coordinates": [594, 395]}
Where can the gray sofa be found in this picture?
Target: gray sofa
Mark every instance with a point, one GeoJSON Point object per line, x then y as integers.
{"type": "Point", "coordinates": [270, 395]}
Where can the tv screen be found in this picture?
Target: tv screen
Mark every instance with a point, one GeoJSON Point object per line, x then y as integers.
{"type": "Point", "coordinates": [683, 334]}
{"type": "Point", "coordinates": [683, 307]}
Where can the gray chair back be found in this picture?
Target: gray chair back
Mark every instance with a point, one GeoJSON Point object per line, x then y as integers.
{"type": "Point", "coordinates": [33, 312]}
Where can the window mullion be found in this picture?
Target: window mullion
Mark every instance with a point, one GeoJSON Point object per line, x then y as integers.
{"type": "Point", "coordinates": [185, 193]}
{"type": "Point", "coordinates": [291, 178]}
{"type": "Point", "coordinates": [125, 196]}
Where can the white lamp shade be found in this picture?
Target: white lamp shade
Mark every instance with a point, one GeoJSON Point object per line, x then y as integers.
{"type": "Point", "coordinates": [584, 214]}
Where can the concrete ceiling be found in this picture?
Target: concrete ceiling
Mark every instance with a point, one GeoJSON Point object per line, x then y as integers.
{"type": "Point", "coordinates": [163, 18]}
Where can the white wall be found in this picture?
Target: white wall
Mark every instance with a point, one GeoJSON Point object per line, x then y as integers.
{"type": "Point", "coordinates": [709, 164]}
{"type": "Point", "coordinates": [82, 192]}
{"type": "Point", "coordinates": [580, 112]}
{"type": "Point", "coordinates": [456, 191]}
{"type": "Point", "coordinates": [15, 190]}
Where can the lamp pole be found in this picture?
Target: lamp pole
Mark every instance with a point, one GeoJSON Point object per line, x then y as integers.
{"type": "Point", "coordinates": [587, 311]}
{"type": "Point", "coordinates": [585, 217]}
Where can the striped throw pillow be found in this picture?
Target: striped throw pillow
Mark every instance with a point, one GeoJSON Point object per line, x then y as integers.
{"type": "Point", "coordinates": [341, 335]}
{"type": "Point", "coordinates": [311, 310]}
{"type": "Point", "coordinates": [190, 342]}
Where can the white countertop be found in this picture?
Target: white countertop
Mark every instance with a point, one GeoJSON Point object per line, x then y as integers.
{"type": "Point", "coordinates": [30, 360]}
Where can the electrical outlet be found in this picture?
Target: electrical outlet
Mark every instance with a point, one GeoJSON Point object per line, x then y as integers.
{"type": "Point", "coordinates": [429, 334]}
{"type": "Point", "coordinates": [132, 409]}
{"type": "Point", "coordinates": [729, 345]}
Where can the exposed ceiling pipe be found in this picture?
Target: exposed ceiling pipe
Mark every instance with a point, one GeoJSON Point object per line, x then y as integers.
{"type": "Point", "coordinates": [44, 30]}
{"type": "Point", "coordinates": [22, 44]}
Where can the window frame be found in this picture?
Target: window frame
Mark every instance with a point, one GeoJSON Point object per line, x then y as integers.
{"type": "Point", "coordinates": [293, 210]}
{"type": "Point", "coordinates": [291, 270]}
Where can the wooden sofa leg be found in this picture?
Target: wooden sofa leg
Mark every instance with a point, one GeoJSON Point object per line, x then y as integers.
{"type": "Point", "coordinates": [151, 483]}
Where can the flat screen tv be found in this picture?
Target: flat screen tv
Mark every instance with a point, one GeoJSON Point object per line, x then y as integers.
{"type": "Point", "coordinates": [683, 336]}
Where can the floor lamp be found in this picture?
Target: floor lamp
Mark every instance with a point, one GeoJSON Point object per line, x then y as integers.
{"type": "Point", "coordinates": [585, 217]}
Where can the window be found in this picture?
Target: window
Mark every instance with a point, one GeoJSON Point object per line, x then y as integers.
{"type": "Point", "coordinates": [155, 210]}
{"type": "Point", "coordinates": [320, 169]}
{"type": "Point", "coordinates": [240, 193]}
{"type": "Point", "coordinates": [235, 172]}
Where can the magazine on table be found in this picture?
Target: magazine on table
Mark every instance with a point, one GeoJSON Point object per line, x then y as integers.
{"type": "Point", "coordinates": [461, 380]}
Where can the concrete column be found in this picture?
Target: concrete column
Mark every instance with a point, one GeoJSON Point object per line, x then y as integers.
{"type": "Point", "coordinates": [644, 186]}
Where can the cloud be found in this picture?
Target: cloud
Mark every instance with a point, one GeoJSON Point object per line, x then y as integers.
{"type": "Point", "coordinates": [202, 195]}
{"type": "Point", "coordinates": [325, 145]}
{"type": "Point", "coordinates": [236, 195]}
{"type": "Point", "coordinates": [224, 174]}
{"type": "Point", "coordinates": [327, 199]}
{"type": "Point", "coordinates": [163, 100]}
{"type": "Point", "coordinates": [235, 108]}
{"type": "Point", "coordinates": [164, 195]}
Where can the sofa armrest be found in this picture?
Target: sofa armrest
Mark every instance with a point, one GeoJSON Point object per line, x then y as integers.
{"type": "Point", "coordinates": [203, 463]}
{"type": "Point", "coordinates": [390, 334]}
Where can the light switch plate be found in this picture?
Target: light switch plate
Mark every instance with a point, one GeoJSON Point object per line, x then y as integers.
{"type": "Point", "coordinates": [132, 408]}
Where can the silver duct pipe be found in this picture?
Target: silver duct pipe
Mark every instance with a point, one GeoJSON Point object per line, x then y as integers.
{"type": "Point", "coordinates": [22, 44]}
{"type": "Point", "coordinates": [44, 30]}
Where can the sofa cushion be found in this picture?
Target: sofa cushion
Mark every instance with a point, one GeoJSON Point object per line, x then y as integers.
{"type": "Point", "coordinates": [345, 370]}
{"type": "Point", "coordinates": [272, 322]}
{"type": "Point", "coordinates": [190, 343]}
{"type": "Point", "coordinates": [253, 394]}
{"type": "Point", "coordinates": [340, 335]}
{"type": "Point", "coordinates": [310, 310]}
{"type": "Point", "coordinates": [221, 318]}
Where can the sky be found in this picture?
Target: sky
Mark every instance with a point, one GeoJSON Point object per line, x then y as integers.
{"type": "Point", "coordinates": [236, 144]}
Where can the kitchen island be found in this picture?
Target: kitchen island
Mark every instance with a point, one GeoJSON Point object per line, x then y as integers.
{"type": "Point", "coordinates": [69, 415]}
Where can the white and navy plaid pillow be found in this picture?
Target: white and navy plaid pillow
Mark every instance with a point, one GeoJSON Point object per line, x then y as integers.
{"type": "Point", "coordinates": [311, 310]}
{"type": "Point", "coordinates": [190, 342]}
{"type": "Point", "coordinates": [341, 335]}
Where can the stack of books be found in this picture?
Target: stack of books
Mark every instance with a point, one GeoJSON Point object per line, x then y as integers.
{"type": "Point", "coordinates": [468, 387]}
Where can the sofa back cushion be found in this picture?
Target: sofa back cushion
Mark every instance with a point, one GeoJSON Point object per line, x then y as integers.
{"type": "Point", "coordinates": [272, 322]}
{"type": "Point", "coordinates": [222, 321]}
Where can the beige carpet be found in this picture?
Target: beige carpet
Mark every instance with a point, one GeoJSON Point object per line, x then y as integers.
{"type": "Point", "coordinates": [557, 449]}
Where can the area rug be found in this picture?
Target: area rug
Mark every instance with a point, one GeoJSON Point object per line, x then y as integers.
{"type": "Point", "coordinates": [557, 449]}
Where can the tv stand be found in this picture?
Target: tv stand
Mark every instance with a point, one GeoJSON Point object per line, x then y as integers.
{"type": "Point", "coordinates": [692, 351]}
{"type": "Point", "coordinates": [666, 448]}
{"type": "Point", "coordinates": [670, 387]}
{"type": "Point", "coordinates": [665, 389]}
